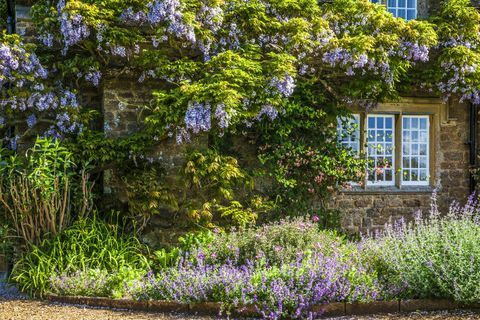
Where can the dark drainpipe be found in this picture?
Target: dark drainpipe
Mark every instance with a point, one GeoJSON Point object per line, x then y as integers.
{"type": "Point", "coordinates": [10, 16]}
{"type": "Point", "coordinates": [473, 144]}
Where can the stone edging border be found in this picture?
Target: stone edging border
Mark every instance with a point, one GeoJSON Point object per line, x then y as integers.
{"type": "Point", "coordinates": [334, 309]}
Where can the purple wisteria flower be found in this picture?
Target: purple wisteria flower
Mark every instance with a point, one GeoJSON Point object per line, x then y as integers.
{"type": "Point", "coordinates": [72, 28]}
{"type": "Point", "coordinates": [268, 110]}
{"type": "Point", "coordinates": [93, 76]}
{"type": "Point", "coordinates": [284, 86]}
{"type": "Point", "coordinates": [414, 52]}
{"type": "Point", "coordinates": [31, 120]}
{"type": "Point", "coordinates": [223, 117]}
{"type": "Point", "coordinates": [198, 117]}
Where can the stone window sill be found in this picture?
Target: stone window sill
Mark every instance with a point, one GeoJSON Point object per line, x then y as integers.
{"type": "Point", "coordinates": [389, 190]}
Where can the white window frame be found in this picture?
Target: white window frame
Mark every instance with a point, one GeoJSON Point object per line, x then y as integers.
{"type": "Point", "coordinates": [385, 116]}
{"type": "Point", "coordinates": [427, 155]}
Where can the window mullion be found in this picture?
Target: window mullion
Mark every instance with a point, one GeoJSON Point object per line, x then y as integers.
{"type": "Point", "coordinates": [363, 143]}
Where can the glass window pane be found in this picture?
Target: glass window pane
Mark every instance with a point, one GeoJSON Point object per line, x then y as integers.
{"type": "Point", "coordinates": [423, 175]}
{"type": "Point", "coordinates": [423, 123]}
{"type": "Point", "coordinates": [414, 136]}
{"type": "Point", "coordinates": [389, 123]}
{"type": "Point", "coordinates": [406, 123]}
{"type": "Point", "coordinates": [379, 123]}
{"type": "Point", "coordinates": [392, 3]}
{"type": "Point", "coordinates": [423, 150]}
{"type": "Point", "coordinates": [415, 123]}
{"type": "Point", "coordinates": [423, 162]}
{"type": "Point", "coordinates": [414, 149]}
{"type": "Point", "coordinates": [348, 131]}
{"type": "Point", "coordinates": [411, 14]}
{"type": "Point", "coordinates": [401, 13]}
{"type": "Point", "coordinates": [393, 11]}
{"type": "Point", "coordinates": [411, 4]}
{"type": "Point", "coordinates": [401, 3]}
{"type": "Point", "coordinates": [389, 135]}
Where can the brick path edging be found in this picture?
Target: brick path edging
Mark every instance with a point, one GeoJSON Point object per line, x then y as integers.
{"type": "Point", "coordinates": [214, 308]}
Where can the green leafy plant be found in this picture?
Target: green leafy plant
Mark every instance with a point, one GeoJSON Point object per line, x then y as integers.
{"type": "Point", "coordinates": [147, 193]}
{"type": "Point", "coordinates": [89, 244]}
{"type": "Point", "coordinates": [220, 186]}
{"type": "Point", "coordinates": [43, 192]}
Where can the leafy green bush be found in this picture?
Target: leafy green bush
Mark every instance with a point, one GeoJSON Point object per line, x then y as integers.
{"type": "Point", "coordinates": [87, 245]}
{"type": "Point", "coordinates": [276, 243]}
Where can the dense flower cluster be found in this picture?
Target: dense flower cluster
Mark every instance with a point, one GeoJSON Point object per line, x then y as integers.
{"type": "Point", "coordinates": [269, 111]}
{"type": "Point", "coordinates": [16, 64]}
{"type": "Point", "coordinates": [73, 28]}
{"type": "Point", "coordinates": [223, 116]}
{"type": "Point", "coordinates": [458, 81]}
{"type": "Point", "coordinates": [284, 86]}
{"type": "Point", "coordinates": [198, 117]}
{"type": "Point", "coordinates": [414, 52]}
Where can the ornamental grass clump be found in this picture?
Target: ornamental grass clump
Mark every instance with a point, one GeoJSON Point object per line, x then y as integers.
{"type": "Point", "coordinates": [437, 256]}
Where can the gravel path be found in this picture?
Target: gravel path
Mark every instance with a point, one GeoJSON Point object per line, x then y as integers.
{"type": "Point", "coordinates": [441, 315]}
{"type": "Point", "coordinates": [38, 310]}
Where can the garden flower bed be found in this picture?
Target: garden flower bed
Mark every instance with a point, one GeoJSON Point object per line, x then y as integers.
{"type": "Point", "coordinates": [289, 269]}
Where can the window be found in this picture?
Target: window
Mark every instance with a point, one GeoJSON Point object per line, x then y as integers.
{"type": "Point", "coordinates": [380, 148]}
{"type": "Point", "coordinates": [397, 147]}
{"type": "Point", "coordinates": [349, 132]}
{"type": "Point", "coordinates": [406, 9]}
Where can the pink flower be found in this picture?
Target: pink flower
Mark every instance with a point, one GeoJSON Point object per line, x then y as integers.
{"type": "Point", "coordinates": [315, 218]}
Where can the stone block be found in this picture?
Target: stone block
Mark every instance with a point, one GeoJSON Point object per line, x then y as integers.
{"type": "Point", "coordinates": [167, 306]}
{"type": "Point", "coordinates": [412, 203]}
{"type": "Point", "coordinates": [334, 309]}
{"type": "Point", "coordinates": [427, 305]}
{"type": "Point", "coordinates": [364, 202]}
{"type": "Point", "coordinates": [372, 307]}
{"type": "Point", "coordinates": [206, 308]}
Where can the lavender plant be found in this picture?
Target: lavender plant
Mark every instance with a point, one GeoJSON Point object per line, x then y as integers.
{"type": "Point", "coordinates": [435, 256]}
